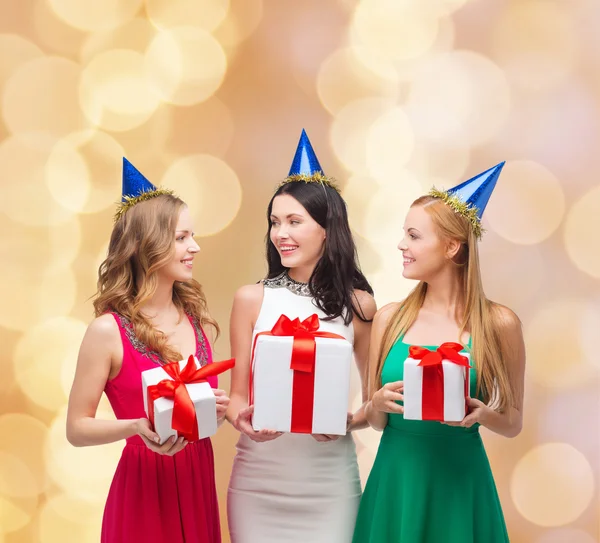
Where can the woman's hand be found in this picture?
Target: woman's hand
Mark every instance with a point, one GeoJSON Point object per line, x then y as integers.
{"type": "Point", "coordinates": [478, 413]}
{"type": "Point", "coordinates": [222, 404]}
{"type": "Point", "coordinates": [385, 398]}
{"type": "Point", "coordinates": [243, 423]}
{"type": "Point", "coordinates": [323, 438]}
{"type": "Point", "coordinates": [170, 447]}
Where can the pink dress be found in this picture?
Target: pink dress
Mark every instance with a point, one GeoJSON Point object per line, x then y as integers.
{"type": "Point", "coordinates": [155, 498]}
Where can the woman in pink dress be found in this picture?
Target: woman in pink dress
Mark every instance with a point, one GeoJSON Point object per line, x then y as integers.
{"type": "Point", "coordinates": [149, 311]}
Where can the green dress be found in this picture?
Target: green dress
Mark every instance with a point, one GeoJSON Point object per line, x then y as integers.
{"type": "Point", "coordinates": [430, 483]}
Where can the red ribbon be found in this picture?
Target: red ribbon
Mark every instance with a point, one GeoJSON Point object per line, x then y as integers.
{"type": "Point", "coordinates": [433, 376]}
{"type": "Point", "coordinates": [302, 363]}
{"type": "Point", "coordinates": [184, 419]}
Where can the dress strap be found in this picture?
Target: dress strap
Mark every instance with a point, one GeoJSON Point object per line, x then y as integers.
{"type": "Point", "coordinates": [203, 350]}
{"type": "Point", "coordinates": [117, 318]}
{"type": "Point", "coordinates": [129, 338]}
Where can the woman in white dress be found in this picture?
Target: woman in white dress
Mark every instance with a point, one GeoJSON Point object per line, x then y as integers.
{"type": "Point", "coordinates": [287, 488]}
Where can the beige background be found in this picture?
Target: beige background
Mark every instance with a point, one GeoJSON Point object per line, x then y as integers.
{"type": "Point", "coordinates": [208, 98]}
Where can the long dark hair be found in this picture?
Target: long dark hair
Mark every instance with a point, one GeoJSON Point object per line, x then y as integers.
{"type": "Point", "coordinates": [337, 273]}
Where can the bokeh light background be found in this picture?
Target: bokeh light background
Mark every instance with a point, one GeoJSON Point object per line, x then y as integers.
{"type": "Point", "coordinates": [208, 97]}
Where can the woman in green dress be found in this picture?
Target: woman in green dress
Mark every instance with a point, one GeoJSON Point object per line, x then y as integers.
{"type": "Point", "coordinates": [431, 482]}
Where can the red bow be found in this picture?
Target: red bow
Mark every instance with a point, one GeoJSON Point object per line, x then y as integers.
{"type": "Point", "coordinates": [433, 375]}
{"type": "Point", "coordinates": [184, 413]}
{"type": "Point", "coordinates": [304, 333]}
{"type": "Point", "coordinates": [446, 351]}
{"type": "Point", "coordinates": [302, 363]}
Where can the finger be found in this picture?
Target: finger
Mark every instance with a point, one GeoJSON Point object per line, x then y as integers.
{"type": "Point", "coordinates": [179, 446]}
{"type": "Point", "coordinates": [394, 385]}
{"type": "Point", "coordinates": [393, 407]}
{"type": "Point", "coordinates": [395, 396]}
{"type": "Point", "coordinates": [222, 399]}
{"type": "Point", "coordinates": [222, 406]}
{"type": "Point", "coordinates": [219, 392]}
{"type": "Point", "coordinates": [247, 412]}
{"type": "Point", "coordinates": [474, 402]}
{"type": "Point", "coordinates": [264, 435]}
{"type": "Point", "coordinates": [468, 421]}
{"type": "Point", "coordinates": [175, 449]}
{"type": "Point", "coordinates": [150, 435]}
{"type": "Point", "coordinates": [152, 446]}
{"type": "Point", "coordinates": [269, 433]}
{"type": "Point", "coordinates": [167, 445]}
{"type": "Point", "coordinates": [244, 416]}
{"type": "Point", "coordinates": [246, 427]}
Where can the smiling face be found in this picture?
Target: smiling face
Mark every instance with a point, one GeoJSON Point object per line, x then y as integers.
{"type": "Point", "coordinates": [425, 253]}
{"type": "Point", "coordinates": [179, 267]}
{"type": "Point", "coordinates": [298, 238]}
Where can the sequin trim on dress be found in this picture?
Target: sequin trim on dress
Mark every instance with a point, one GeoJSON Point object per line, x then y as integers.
{"type": "Point", "coordinates": [142, 348]}
{"type": "Point", "coordinates": [285, 281]}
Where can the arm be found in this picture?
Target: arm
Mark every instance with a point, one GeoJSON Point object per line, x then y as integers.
{"type": "Point", "coordinates": [383, 401]}
{"type": "Point", "coordinates": [100, 357]}
{"type": "Point", "coordinates": [366, 308]}
{"type": "Point", "coordinates": [510, 422]}
{"type": "Point", "coordinates": [246, 307]}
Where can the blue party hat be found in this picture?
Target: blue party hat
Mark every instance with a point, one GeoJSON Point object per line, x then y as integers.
{"type": "Point", "coordinates": [471, 197]}
{"type": "Point", "coordinates": [305, 160]}
{"type": "Point", "coordinates": [134, 182]}
{"type": "Point", "coordinates": [136, 189]}
{"type": "Point", "coordinates": [477, 190]}
{"type": "Point", "coordinates": [306, 167]}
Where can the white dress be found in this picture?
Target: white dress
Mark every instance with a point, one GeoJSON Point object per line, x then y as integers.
{"type": "Point", "coordinates": [293, 489]}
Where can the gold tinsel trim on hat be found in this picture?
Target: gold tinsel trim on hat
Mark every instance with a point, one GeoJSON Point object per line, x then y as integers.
{"type": "Point", "coordinates": [316, 177]}
{"type": "Point", "coordinates": [130, 201]}
{"type": "Point", "coordinates": [468, 211]}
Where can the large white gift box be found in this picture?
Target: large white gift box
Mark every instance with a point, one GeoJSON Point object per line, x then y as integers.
{"type": "Point", "coordinates": [160, 410]}
{"type": "Point", "coordinates": [288, 400]}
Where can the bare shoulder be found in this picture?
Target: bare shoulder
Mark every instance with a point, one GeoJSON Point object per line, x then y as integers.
{"type": "Point", "coordinates": [103, 328]}
{"type": "Point", "coordinates": [249, 294]}
{"type": "Point", "coordinates": [384, 314]}
{"type": "Point", "coordinates": [383, 317]}
{"type": "Point", "coordinates": [247, 302]}
{"type": "Point", "coordinates": [102, 340]}
{"type": "Point", "coordinates": [364, 304]}
{"type": "Point", "coordinates": [507, 319]}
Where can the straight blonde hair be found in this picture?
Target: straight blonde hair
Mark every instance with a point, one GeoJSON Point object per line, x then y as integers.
{"type": "Point", "coordinates": [481, 317]}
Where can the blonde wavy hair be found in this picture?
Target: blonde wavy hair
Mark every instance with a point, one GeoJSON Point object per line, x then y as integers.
{"type": "Point", "coordinates": [481, 317]}
{"type": "Point", "coordinates": [141, 243]}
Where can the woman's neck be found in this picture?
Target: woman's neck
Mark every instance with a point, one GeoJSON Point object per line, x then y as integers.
{"type": "Point", "coordinates": [301, 274]}
{"type": "Point", "coordinates": [445, 296]}
{"type": "Point", "coordinates": [161, 302]}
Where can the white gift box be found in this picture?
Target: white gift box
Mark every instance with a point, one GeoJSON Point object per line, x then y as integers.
{"type": "Point", "coordinates": [455, 390]}
{"type": "Point", "coordinates": [201, 394]}
{"type": "Point", "coordinates": [273, 382]}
